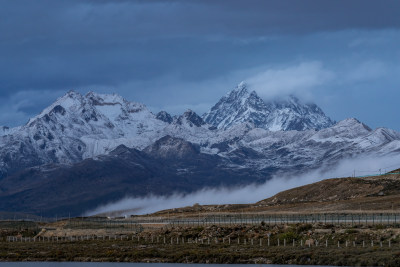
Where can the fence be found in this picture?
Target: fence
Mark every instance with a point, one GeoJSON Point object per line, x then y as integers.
{"type": "Point", "coordinates": [136, 223]}
{"type": "Point", "coordinates": [246, 242]}
{"type": "Point", "coordinates": [102, 223]}
{"type": "Point", "coordinates": [234, 219]}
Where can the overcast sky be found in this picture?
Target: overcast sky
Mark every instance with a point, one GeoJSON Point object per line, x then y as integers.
{"type": "Point", "coordinates": [174, 55]}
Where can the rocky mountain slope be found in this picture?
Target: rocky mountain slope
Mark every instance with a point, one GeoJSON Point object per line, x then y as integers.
{"type": "Point", "coordinates": [169, 165]}
{"type": "Point", "coordinates": [241, 106]}
{"type": "Point", "coordinates": [76, 127]}
{"type": "Point", "coordinates": [240, 127]}
{"type": "Point", "coordinates": [241, 136]}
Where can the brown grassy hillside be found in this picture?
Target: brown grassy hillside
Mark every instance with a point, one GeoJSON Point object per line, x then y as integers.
{"type": "Point", "coordinates": [349, 195]}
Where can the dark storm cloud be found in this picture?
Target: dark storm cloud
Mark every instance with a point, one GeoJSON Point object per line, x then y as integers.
{"type": "Point", "coordinates": [120, 21]}
{"type": "Point", "coordinates": [54, 46]}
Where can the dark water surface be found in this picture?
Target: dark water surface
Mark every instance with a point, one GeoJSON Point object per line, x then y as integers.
{"type": "Point", "coordinates": [121, 264]}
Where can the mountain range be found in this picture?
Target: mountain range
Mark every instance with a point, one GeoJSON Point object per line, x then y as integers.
{"type": "Point", "coordinates": [87, 150]}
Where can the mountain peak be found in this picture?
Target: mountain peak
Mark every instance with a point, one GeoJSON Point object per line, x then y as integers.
{"type": "Point", "coordinates": [240, 106]}
{"type": "Point", "coordinates": [72, 93]}
{"type": "Point", "coordinates": [352, 122]}
{"type": "Point", "coordinates": [240, 92]}
{"type": "Point", "coordinates": [190, 118]}
{"type": "Point", "coordinates": [236, 107]}
{"type": "Point", "coordinates": [240, 88]}
{"type": "Point", "coordinates": [242, 84]}
{"type": "Point", "coordinates": [164, 116]}
{"type": "Point", "coordinates": [105, 99]}
{"type": "Point", "coordinates": [68, 101]}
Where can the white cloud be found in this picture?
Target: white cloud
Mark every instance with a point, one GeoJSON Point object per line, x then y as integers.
{"type": "Point", "coordinates": [300, 79]}
{"type": "Point", "coordinates": [248, 194]}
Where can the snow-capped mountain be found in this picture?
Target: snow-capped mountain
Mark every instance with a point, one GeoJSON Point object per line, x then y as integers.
{"type": "Point", "coordinates": [298, 151]}
{"type": "Point", "coordinates": [164, 116]}
{"type": "Point", "coordinates": [241, 140]}
{"type": "Point", "coordinates": [76, 127]}
{"type": "Point", "coordinates": [241, 106]}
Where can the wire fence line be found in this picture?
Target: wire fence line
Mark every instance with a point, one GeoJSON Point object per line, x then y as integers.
{"type": "Point", "coordinates": [100, 223]}
{"type": "Point", "coordinates": [373, 175]}
{"type": "Point", "coordinates": [137, 223]}
{"type": "Point", "coordinates": [246, 242]}
{"type": "Point", "coordinates": [335, 219]}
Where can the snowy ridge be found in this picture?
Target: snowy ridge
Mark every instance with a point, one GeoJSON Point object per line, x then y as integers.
{"type": "Point", "coordinates": [241, 128]}
{"type": "Point", "coordinates": [238, 106]}
{"type": "Point", "coordinates": [241, 106]}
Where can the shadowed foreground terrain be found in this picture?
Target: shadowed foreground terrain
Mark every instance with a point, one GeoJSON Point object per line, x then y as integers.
{"type": "Point", "coordinates": [208, 234]}
{"type": "Point", "coordinates": [279, 244]}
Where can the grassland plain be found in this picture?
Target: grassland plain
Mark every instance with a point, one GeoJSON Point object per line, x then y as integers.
{"type": "Point", "coordinates": [359, 242]}
{"type": "Point", "coordinates": [351, 246]}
